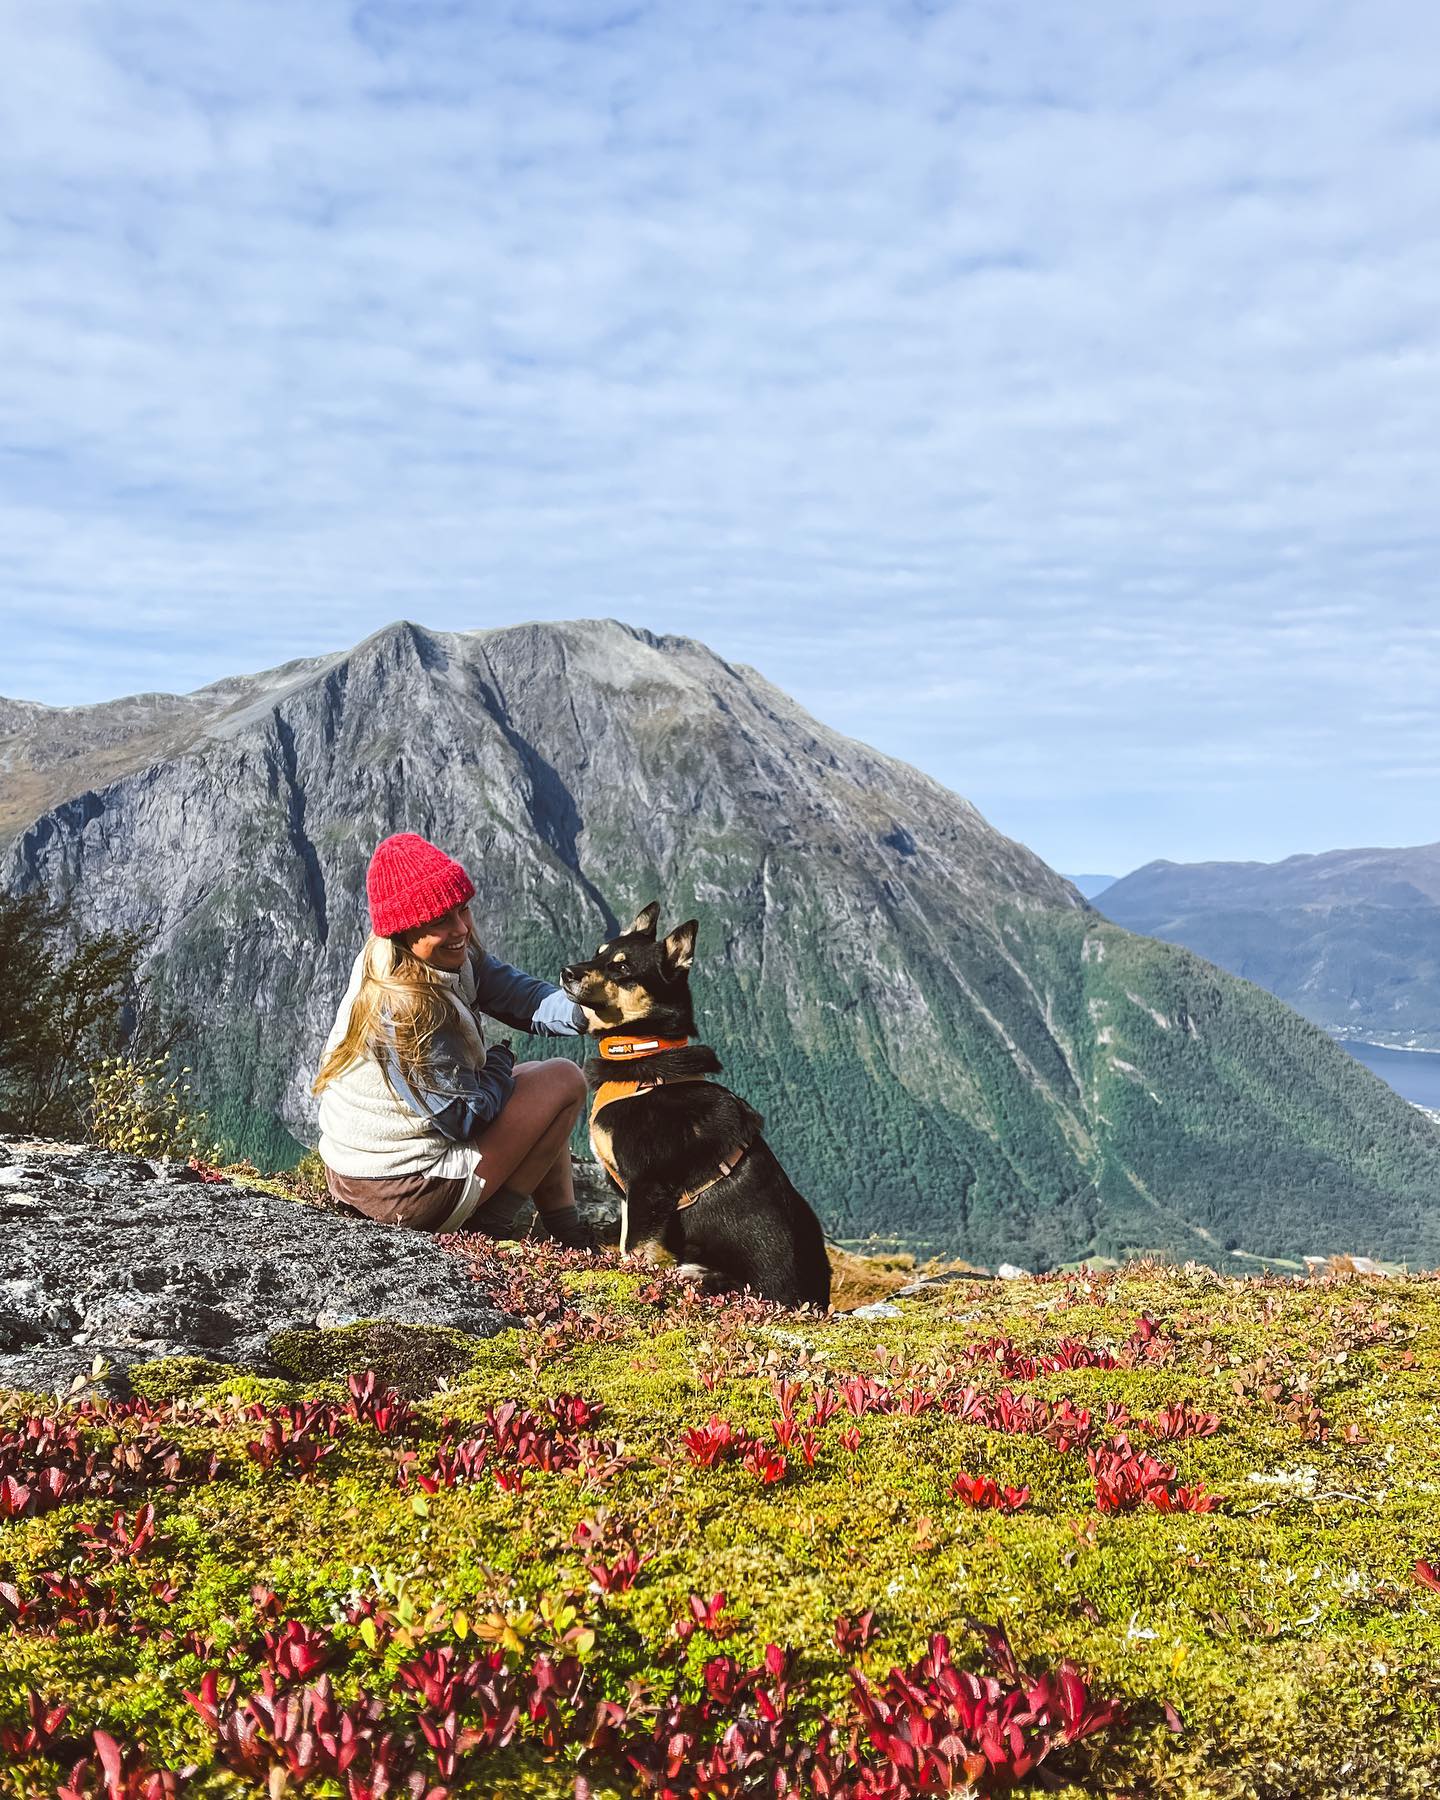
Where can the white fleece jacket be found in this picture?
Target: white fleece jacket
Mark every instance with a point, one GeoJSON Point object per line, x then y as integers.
{"type": "Point", "coordinates": [365, 1129]}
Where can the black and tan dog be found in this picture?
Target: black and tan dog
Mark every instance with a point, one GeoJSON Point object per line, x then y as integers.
{"type": "Point", "coordinates": [699, 1184]}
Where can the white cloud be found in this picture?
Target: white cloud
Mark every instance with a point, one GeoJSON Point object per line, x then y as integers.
{"type": "Point", "coordinates": [1044, 395]}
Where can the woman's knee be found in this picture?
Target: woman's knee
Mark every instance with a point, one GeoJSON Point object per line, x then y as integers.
{"type": "Point", "coordinates": [568, 1080]}
{"type": "Point", "coordinates": [579, 1086]}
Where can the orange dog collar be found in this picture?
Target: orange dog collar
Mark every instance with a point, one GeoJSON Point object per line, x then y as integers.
{"type": "Point", "coordinates": [628, 1049]}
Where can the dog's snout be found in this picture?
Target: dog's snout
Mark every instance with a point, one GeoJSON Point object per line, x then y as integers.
{"type": "Point", "coordinates": [570, 972]}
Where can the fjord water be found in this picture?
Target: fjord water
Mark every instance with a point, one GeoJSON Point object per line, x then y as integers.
{"type": "Point", "coordinates": [1414, 1074]}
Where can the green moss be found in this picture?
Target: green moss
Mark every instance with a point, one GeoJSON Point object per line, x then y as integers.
{"type": "Point", "coordinates": [177, 1377]}
{"type": "Point", "coordinates": [1287, 1631]}
{"type": "Point", "coordinates": [414, 1359]}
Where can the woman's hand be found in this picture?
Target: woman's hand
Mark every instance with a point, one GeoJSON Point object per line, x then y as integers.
{"type": "Point", "coordinates": [501, 1058]}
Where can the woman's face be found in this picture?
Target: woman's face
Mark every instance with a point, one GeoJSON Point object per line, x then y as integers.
{"type": "Point", "coordinates": [443, 941]}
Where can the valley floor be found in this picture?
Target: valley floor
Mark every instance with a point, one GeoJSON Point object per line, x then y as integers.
{"type": "Point", "coordinates": [1217, 1499]}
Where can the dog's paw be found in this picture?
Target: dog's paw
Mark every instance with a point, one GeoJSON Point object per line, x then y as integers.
{"type": "Point", "coordinates": [692, 1271]}
{"type": "Point", "coordinates": [654, 1255]}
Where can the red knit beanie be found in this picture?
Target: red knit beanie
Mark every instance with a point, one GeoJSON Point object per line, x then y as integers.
{"type": "Point", "coordinates": [410, 881]}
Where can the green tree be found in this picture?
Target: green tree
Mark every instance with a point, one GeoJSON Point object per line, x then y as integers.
{"type": "Point", "coordinates": [67, 997]}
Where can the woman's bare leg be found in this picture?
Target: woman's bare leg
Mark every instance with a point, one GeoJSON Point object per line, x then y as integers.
{"type": "Point", "coordinates": [545, 1173]}
{"type": "Point", "coordinates": [528, 1146]}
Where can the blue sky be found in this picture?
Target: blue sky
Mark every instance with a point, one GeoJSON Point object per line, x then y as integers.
{"type": "Point", "coordinates": [1044, 394]}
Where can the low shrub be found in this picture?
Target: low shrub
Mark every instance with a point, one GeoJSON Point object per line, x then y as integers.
{"type": "Point", "coordinates": [138, 1108]}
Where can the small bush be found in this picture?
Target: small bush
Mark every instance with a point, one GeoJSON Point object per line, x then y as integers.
{"type": "Point", "coordinates": [63, 996]}
{"type": "Point", "coordinates": [137, 1108]}
{"type": "Point", "coordinates": [310, 1171]}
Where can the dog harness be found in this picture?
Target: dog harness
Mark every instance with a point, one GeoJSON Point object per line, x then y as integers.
{"type": "Point", "coordinates": [623, 1087]}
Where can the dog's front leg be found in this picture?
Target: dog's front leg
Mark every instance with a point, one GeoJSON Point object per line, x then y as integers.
{"type": "Point", "coordinates": [645, 1213]}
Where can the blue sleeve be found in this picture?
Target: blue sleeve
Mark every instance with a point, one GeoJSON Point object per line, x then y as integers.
{"type": "Point", "coordinates": [458, 1101]}
{"type": "Point", "coordinates": [524, 1002]}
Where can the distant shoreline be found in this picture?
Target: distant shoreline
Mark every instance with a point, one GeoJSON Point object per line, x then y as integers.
{"type": "Point", "coordinates": [1342, 1037]}
{"type": "Point", "coordinates": [1411, 1072]}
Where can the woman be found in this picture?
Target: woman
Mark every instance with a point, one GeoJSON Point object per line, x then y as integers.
{"type": "Point", "coordinates": [420, 1123]}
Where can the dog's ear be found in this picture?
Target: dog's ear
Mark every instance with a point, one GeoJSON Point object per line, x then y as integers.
{"type": "Point", "coordinates": [678, 949]}
{"type": "Point", "coordinates": [644, 923]}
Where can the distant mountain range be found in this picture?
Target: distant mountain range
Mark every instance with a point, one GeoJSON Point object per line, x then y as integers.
{"type": "Point", "coordinates": [1091, 885]}
{"type": "Point", "coordinates": [1350, 938]}
{"type": "Point", "coordinates": [951, 1049]}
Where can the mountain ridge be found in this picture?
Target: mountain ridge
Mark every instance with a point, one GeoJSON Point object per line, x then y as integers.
{"type": "Point", "coordinates": [954, 1050]}
{"type": "Point", "coordinates": [1350, 938]}
{"type": "Point", "coordinates": [1090, 885]}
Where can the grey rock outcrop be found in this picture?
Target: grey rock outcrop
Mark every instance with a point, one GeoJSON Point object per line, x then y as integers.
{"type": "Point", "coordinates": [597, 1202]}
{"type": "Point", "coordinates": [104, 1256]}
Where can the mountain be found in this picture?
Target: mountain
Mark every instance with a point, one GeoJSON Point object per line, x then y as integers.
{"type": "Point", "coordinates": [1090, 885]}
{"type": "Point", "coordinates": [1351, 938]}
{"type": "Point", "coordinates": [951, 1048]}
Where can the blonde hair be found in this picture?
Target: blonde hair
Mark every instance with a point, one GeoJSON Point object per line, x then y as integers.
{"type": "Point", "coordinates": [399, 991]}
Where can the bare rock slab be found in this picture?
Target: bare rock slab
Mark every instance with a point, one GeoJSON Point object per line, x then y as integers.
{"type": "Point", "coordinates": [110, 1256]}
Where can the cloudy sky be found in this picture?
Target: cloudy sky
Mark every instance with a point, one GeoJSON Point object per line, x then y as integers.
{"type": "Point", "coordinates": [1045, 394]}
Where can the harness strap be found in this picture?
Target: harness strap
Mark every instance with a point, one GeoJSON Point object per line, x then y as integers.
{"type": "Point", "coordinates": [727, 1163]}
{"type": "Point", "coordinates": [624, 1086]}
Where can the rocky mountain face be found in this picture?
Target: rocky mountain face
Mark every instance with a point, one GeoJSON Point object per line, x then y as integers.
{"type": "Point", "coordinates": [1351, 938]}
{"type": "Point", "coordinates": [951, 1049]}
